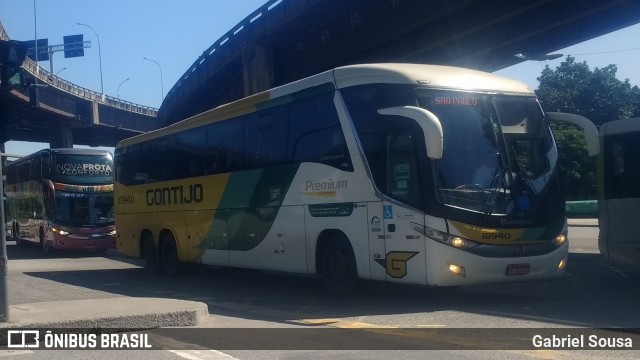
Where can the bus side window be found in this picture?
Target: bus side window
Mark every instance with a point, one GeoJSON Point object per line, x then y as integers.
{"type": "Point", "coordinates": [621, 169]}
{"type": "Point", "coordinates": [315, 134]}
{"type": "Point", "coordinates": [617, 151]}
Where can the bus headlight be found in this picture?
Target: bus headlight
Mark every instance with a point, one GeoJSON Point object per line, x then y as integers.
{"type": "Point", "coordinates": [61, 232]}
{"type": "Point", "coordinates": [457, 269]}
{"type": "Point", "coordinates": [457, 242]}
{"type": "Point", "coordinates": [560, 239]}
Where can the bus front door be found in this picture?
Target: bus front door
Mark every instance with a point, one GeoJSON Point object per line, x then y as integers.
{"type": "Point", "coordinates": [404, 245]}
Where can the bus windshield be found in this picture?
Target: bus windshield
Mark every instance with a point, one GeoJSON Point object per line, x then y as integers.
{"type": "Point", "coordinates": [84, 209]}
{"type": "Point", "coordinates": [498, 155]}
{"type": "Point", "coordinates": [82, 169]}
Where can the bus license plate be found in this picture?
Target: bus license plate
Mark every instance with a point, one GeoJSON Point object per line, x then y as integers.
{"type": "Point", "coordinates": [518, 269]}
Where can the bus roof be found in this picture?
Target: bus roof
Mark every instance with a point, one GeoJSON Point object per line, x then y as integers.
{"type": "Point", "coordinates": [620, 126]}
{"type": "Point", "coordinates": [430, 76]}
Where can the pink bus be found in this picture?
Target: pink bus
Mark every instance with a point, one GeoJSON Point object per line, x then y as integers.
{"type": "Point", "coordinates": [62, 199]}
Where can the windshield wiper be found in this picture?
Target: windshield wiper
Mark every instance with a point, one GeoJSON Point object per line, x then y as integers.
{"type": "Point", "coordinates": [522, 173]}
{"type": "Point", "coordinates": [497, 184]}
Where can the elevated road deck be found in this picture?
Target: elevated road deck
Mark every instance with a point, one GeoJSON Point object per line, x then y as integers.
{"type": "Point", "coordinates": [51, 109]}
{"type": "Point", "coordinates": [286, 40]}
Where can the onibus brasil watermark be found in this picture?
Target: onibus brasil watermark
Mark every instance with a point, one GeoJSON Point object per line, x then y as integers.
{"type": "Point", "coordinates": [37, 339]}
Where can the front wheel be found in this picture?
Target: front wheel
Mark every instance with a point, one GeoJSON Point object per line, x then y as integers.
{"type": "Point", "coordinates": [339, 268]}
{"type": "Point", "coordinates": [43, 243]}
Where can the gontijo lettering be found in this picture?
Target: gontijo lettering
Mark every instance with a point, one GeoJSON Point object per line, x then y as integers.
{"type": "Point", "coordinates": [175, 195]}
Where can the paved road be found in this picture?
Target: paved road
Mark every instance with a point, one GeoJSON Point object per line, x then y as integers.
{"type": "Point", "coordinates": [592, 294]}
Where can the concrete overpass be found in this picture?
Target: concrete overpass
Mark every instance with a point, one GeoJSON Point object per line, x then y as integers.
{"type": "Point", "coordinates": [55, 111]}
{"type": "Point", "coordinates": [289, 39]}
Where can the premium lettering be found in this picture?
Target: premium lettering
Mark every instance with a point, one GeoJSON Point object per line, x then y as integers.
{"type": "Point", "coordinates": [175, 195]}
{"type": "Point", "coordinates": [325, 185]}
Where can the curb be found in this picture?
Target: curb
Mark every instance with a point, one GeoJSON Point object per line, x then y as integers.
{"type": "Point", "coordinates": [583, 222]}
{"type": "Point", "coordinates": [121, 313]}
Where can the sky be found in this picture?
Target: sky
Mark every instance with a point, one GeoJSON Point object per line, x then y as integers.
{"type": "Point", "coordinates": [174, 33]}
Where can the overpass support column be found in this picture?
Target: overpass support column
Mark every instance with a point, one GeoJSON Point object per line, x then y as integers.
{"type": "Point", "coordinates": [257, 69]}
{"type": "Point", "coordinates": [60, 136]}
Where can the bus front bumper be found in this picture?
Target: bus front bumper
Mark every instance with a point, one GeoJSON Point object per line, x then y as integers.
{"type": "Point", "coordinates": [81, 242]}
{"type": "Point", "coordinates": [447, 266]}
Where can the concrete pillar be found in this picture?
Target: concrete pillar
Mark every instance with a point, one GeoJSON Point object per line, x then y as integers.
{"type": "Point", "coordinates": [257, 69]}
{"type": "Point", "coordinates": [60, 136]}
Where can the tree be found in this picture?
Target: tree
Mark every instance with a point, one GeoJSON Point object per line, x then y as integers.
{"type": "Point", "coordinates": [597, 95]}
{"type": "Point", "coordinates": [578, 168]}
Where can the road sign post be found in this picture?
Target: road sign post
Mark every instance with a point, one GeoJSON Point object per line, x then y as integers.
{"type": "Point", "coordinates": [4, 259]}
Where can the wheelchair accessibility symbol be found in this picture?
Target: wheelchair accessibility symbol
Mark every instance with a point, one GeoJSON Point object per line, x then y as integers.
{"type": "Point", "coordinates": [388, 212]}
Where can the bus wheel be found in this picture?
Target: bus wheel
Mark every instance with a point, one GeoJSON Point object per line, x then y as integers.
{"type": "Point", "coordinates": [339, 268]}
{"type": "Point", "coordinates": [45, 248]}
{"type": "Point", "coordinates": [169, 256]}
{"type": "Point", "coordinates": [150, 254]}
{"type": "Point", "coordinates": [16, 234]}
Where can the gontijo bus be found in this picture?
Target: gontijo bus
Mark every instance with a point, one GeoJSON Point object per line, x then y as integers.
{"type": "Point", "coordinates": [396, 172]}
{"type": "Point", "coordinates": [62, 199]}
{"type": "Point", "coordinates": [619, 191]}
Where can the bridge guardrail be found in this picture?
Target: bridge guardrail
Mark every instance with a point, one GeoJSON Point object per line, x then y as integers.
{"type": "Point", "coordinates": [50, 79]}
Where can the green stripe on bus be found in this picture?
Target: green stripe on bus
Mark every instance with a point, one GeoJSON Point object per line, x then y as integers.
{"type": "Point", "coordinates": [248, 207]}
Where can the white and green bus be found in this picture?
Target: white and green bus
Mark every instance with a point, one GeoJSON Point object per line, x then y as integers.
{"type": "Point", "coordinates": [406, 173]}
{"type": "Point", "coordinates": [619, 191]}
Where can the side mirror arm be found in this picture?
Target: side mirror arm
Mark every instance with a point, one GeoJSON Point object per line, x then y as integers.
{"type": "Point", "coordinates": [590, 130]}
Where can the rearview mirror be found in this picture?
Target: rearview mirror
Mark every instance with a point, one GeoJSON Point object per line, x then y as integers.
{"type": "Point", "coordinates": [429, 123]}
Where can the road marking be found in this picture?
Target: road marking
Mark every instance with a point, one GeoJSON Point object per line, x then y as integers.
{"type": "Point", "coordinates": [166, 343]}
{"type": "Point", "coordinates": [14, 352]}
{"type": "Point", "coordinates": [187, 350]}
{"type": "Point", "coordinates": [203, 355]}
{"type": "Point", "coordinates": [343, 324]}
{"type": "Point", "coordinates": [433, 326]}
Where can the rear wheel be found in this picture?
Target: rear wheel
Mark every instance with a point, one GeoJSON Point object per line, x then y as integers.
{"type": "Point", "coordinates": [339, 267]}
{"type": "Point", "coordinates": [150, 254]}
{"type": "Point", "coordinates": [169, 255]}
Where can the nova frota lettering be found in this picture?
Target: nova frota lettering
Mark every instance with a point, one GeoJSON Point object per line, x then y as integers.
{"type": "Point", "coordinates": [175, 195]}
{"type": "Point", "coordinates": [84, 169]}
{"type": "Point", "coordinates": [325, 185]}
